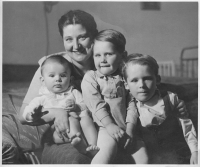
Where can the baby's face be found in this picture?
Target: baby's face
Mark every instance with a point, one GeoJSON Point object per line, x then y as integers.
{"type": "Point", "coordinates": [141, 81]}
{"type": "Point", "coordinates": [56, 77]}
{"type": "Point", "coordinates": [106, 58]}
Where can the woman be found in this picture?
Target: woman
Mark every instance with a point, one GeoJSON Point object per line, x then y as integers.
{"type": "Point", "coordinates": [77, 29]}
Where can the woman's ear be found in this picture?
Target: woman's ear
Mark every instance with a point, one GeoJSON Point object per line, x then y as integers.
{"type": "Point", "coordinates": [158, 79]}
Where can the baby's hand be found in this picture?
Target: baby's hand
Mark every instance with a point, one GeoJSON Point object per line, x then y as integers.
{"type": "Point", "coordinates": [37, 113]}
{"type": "Point", "coordinates": [115, 131]}
{"type": "Point", "coordinates": [194, 158]}
{"type": "Point", "coordinates": [70, 105]}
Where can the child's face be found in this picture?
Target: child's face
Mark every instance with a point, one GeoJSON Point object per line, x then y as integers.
{"type": "Point", "coordinates": [141, 81]}
{"type": "Point", "coordinates": [56, 77]}
{"type": "Point", "coordinates": [106, 58]}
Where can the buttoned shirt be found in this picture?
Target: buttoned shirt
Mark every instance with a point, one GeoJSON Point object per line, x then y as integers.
{"type": "Point", "coordinates": [49, 99]}
{"type": "Point", "coordinates": [106, 96]}
{"type": "Point", "coordinates": [154, 112]}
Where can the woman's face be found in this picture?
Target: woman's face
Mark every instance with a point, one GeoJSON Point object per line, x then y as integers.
{"type": "Point", "coordinates": [77, 42]}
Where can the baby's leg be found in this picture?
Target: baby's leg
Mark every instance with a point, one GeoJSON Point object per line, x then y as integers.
{"type": "Point", "coordinates": [140, 155]}
{"type": "Point", "coordinates": [108, 148]}
{"type": "Point", "coordinates": [77, 139]}
{"type": "Point", "coordinates": [90, 133]}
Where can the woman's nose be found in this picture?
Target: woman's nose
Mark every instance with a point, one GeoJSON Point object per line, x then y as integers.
{"type": "Point", "coordinates": [76, 45]}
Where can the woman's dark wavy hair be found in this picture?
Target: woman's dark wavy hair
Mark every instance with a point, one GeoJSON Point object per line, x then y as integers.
{"type": "Point", "coordinates": [78, 17]}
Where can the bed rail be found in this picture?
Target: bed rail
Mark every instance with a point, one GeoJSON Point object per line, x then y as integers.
{"type": "Point", "coordinates": [189, 66]}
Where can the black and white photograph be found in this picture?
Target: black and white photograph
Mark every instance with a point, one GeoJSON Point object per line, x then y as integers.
{"type": "Point", "coordinates": [100, 82]}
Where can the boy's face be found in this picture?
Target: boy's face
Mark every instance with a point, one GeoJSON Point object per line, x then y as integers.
{"type": "Point", "coordinates": [56, 77]}
{"type": "Point", "coordinates": [141, 81]}
{"type": "Point", "coordinates": [106, 58]}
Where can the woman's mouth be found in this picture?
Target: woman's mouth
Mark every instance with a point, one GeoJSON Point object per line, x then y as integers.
{"type": "Point", "coordinates": [78, 52]}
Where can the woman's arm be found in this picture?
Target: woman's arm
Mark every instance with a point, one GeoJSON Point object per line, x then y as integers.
{"type": "Point", "coordinates": [189, 131]}
{"type": "Point", "coordinates": [31, 94]}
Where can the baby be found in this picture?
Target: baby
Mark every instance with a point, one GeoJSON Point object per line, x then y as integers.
{"type": "Point", "coordinates": [57, 92]}
{"type": "Point", "coordinates": [157, 112]}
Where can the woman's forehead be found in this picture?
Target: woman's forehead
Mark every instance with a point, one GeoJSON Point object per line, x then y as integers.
{"type": "Point", "coordinates": [73, 29]}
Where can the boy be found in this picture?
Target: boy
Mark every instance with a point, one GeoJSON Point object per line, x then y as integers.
{"type": "Point", "coordinates": [105, 95]}
{"type": "Point", "coordinates": [156, 109]}
{"type": "Point", "coordinates": [57, 92]}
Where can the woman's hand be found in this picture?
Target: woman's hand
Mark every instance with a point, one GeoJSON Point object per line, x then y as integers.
{"type": "Point", "coordinates": [61, 123]}
{"type": "Point", "coordinates": [194, 158]}
{"type": "Point", "coordinates": [115, 131]}
{"type": "Point", "coordinates": [181, 109]}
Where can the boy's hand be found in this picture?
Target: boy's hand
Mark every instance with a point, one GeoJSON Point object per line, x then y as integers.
{"type": "Point", "coordinates": [130, 141]}
{"type": "Point", "coordinates": [115, 131]}
{"type": "Point", "coordinates": [194, 158]}
{"type": "Point", "coordinates": [37, 114]}
{"type": "Point", "coordinates": [129, 137]}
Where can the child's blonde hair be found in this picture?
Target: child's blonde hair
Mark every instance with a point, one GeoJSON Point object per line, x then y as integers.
{"type": "Point", "coordinates": [142, 60]}
{"type": "Point", "coordinates": [114, 37]}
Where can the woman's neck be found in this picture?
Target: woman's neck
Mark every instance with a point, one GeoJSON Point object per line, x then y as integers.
{"type": "Point", "coordinates": [85, 66]}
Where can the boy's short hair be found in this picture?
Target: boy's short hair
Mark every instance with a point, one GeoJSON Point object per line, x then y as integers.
{"type": "Point", "coordinates": [55, 58]}
{"type": "Point", "coordinates": [113, 36]}
{"type": "Point", "coordinates": [142, 60]}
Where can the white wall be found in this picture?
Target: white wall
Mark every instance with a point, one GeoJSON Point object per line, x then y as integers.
{"type": "Point", "coordinates": [161, 34]}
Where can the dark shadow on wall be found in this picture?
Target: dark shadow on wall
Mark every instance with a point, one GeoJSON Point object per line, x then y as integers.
{"type": "Point", "coordinates": [18, 73]}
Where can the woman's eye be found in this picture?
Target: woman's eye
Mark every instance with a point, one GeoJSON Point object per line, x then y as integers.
{"type": "Point", "coordinates": [51, 75]}
{"type": "Point", "coordinates": [68, 39]}
{"type": "Point", "coordinates": [83, 37]}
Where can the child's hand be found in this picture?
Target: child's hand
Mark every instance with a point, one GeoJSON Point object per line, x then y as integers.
{"type": "Point", "coordinates": [70, 105]}
{"type": "Point", "coordinates": [115, 131]}
{"type": "Point", "coordinates": [36, 114]}
{"type": "Point", "coordinates": [130, 141]}
{"type": "Point", "coordinates": [129, 137]}
{"type": "Point", "coordinates": [194, 158]}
